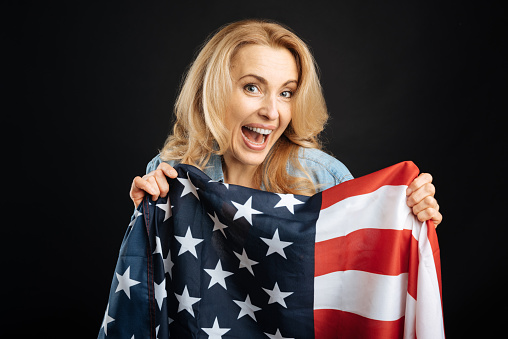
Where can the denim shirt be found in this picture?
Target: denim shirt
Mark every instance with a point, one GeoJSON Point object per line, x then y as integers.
{"type": "Point", "coordinates": [325, 171]}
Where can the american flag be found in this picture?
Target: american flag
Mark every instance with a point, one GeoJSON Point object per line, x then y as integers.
{"type": "Point", "coordinates": [224, 261]}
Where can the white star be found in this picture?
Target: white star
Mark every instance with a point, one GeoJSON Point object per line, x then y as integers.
{"type": "Point", "coordinates": [276, 296]}
{"type": "Point", "coordinates": [275, 245]}
{"type": "Point", "coordinates": [188, 187]}
{"type": "Point", "coordinates": [166, 208]}
{"type": "Point", "coordinates": [125, 282]}
{"type": "Point", "coordinates": [245, 261]}
{"type": "Point", "coordinates": [277, 335]}
{"type": "Point", "coordinates": [136, 215]}
{"type": "Point", "coordinates": [107, 319]}
{"type": "Point", "coordinates": [220, 182]}
{"type": "Point", "coordinates": [288, 201]}
{"type": "Point", "coordinates": [217, 225]}
{"type": "Point", "coordinates": [186, 301]}
{"type": "Point", "coordinates": [158, 246]}
{"type": "Point", "coordinates": [168, 264]}
{"type": "Point", "coordinates": [188, 243]}
{"type": "Point", "coordinates": [246, 308]}
{"type": "Point", "coordinates": [245, 210]}
{"type": "Point", "coordinates": [215, 332]}
{"type": "Point", "coordinates": [160, 292]}
{"type": "Point", "coordinates": [218, 275]}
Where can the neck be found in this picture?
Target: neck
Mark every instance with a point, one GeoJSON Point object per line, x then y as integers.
{"type": "Point", "coordinates": [240, 174]}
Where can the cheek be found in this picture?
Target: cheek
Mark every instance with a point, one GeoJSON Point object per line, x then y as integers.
{"type": "Point", "coordinates": [232, 118]}
{"type": "Point", "coordinates": [285, 117]}
{"type": "Point", "coordinates": [237, 111]}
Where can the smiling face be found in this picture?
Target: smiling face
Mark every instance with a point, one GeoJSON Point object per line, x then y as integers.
{"type": "Point", "coordinates": [259, 107]}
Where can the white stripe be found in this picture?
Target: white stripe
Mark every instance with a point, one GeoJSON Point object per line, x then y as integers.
{"type": "Point", "coordinates": [429, 320]}
{"type": "Point", "coordinates": [374, 296]}
{"type": "Point", "coordinates": [384, 208]}
{"type": "Point", "coordinates": [410, 318]}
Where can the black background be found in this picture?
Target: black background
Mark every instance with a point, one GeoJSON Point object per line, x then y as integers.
{"type": "Point", "coordinates": [90, 93]}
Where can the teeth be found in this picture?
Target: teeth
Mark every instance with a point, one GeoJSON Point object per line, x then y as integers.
{"type": "Point", "coordinates": [260, 130]}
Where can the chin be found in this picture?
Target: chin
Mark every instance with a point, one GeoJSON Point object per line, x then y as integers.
{"type": "Point", "coordinates": [251, 159]}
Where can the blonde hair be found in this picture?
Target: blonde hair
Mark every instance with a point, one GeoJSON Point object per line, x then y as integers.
{"type": "Point", "coordinates": [199, 129]}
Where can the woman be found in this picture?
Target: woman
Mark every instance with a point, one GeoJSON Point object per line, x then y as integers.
{"type": "Point", "coordinates": [249, 113]}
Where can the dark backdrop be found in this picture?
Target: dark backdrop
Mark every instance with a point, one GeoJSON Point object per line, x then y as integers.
{"type": "Point", "coordinates": [92, 93]}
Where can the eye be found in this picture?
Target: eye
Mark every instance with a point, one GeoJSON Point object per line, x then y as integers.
{"type": "Point", "coordinates": [287, 94]}
{"type": "Point", "coordinates": [251, 88]}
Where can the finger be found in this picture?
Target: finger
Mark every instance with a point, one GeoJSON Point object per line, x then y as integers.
{"type": "Point", "coordinates": [428, 202]}
{"type": "Point", "coordinates": [438, 219]}
{"type": "Point", "coordinates": [430, 214]}
{"type": "Point", "coordinates": [418, 182]}
{"type": "Point", "coordinates": [168, 170]}
{"type": "Point", "coordinates": [420, 194]}
{"type": "Point", "coordinates": [142, 184]}
{"type": "Point", "coordinates": [155, 188]}
{"type": "Point", "coordinates": [138, 188]}
{"type": "Point", "coordinates": [162, 182]}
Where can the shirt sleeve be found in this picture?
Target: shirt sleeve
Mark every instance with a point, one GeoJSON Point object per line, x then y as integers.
{"type": "Point", "coordinates": [325, 170]}
{"type": "Point", "coordinates": [154, 163]}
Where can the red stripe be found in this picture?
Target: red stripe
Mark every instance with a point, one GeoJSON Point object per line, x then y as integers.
{"type": "Point", "coordinates": [339, 324]}
{"type": "Point", "coordinates": [412, 279]}
{"type": "Point", "coordinates": [371, 250]}
{"type": "Point", "coordinates": [399, 174]}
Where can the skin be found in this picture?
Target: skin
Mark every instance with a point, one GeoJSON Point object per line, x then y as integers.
{"type": "Point", "coordinates": [421, 199]}
{"type": "Point", "coordinates": [264, 79]}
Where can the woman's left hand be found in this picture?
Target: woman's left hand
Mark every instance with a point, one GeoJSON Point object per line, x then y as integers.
{"type": "Point", "coordinates": [420, 197]}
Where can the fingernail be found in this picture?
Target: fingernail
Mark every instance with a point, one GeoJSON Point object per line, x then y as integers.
{"type": "Point", "coordinates": [409, 191]}
{"type": "Point", "coordinates": [173, 173]}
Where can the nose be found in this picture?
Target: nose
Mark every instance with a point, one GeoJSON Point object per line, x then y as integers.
{"type": "Point", "coordinates": [269, 108]}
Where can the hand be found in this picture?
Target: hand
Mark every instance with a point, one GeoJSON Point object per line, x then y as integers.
{"type": "Point", "coordinates": [153, 183]}
{"type": "Point", "coordinates": [421, 199]}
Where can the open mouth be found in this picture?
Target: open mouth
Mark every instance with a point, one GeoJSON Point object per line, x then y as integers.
{"type": "Point", "coordinates": [255, 135]}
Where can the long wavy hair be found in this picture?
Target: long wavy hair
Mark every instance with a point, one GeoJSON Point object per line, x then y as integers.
{"type": "Point", "coordinates": [199, 128]}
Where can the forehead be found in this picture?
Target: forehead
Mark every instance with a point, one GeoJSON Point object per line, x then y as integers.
{"type": "Point", "coordinates": [276, 62]}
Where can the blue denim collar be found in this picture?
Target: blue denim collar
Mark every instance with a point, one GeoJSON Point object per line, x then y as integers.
{"type": "Point", "coordinates": [214, 168]}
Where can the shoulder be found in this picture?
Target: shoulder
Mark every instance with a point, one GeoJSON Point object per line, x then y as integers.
{"type": "Point", "coordinates": [213, 169]}
{"type": "Point", "coordinates": [324, 170]}
{"type": "Point", "coordinates": [152, 165]}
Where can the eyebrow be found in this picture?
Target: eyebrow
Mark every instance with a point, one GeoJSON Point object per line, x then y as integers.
{"type": "Point", "coordinates": [264, 81]}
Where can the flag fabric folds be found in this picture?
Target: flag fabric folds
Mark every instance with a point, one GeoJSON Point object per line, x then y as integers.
{"type": "Point", "coordinates": [224, 261]}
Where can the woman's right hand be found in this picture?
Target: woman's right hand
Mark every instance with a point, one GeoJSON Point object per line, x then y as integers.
{"type": "Point", "coordinates": [153, 183]}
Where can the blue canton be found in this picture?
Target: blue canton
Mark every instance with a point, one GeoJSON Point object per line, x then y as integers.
{"type": "Point", "coordinates": [215, 261]}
